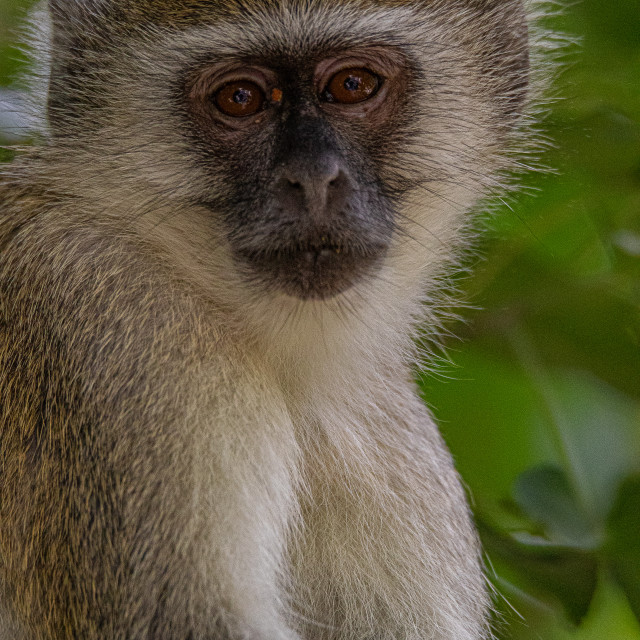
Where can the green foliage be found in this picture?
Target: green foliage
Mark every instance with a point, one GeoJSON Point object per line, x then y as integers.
{"type": "Point", "coordinates": [542, 409]}
{"type": "Point", "coordinates": [11, 60]}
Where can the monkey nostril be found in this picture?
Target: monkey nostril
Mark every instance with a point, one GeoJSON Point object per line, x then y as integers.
{"type": "Point", "coordinates": [294, 184]}
{"type": "Point", "coordinates": [337, 180]}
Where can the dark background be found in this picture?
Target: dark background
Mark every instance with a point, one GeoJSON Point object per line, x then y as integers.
{"type": "Point", "coordinates": [540, 397]}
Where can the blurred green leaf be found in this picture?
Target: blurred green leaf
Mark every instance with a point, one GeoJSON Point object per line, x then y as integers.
{"type": "Point", "coordinates": [546, 496]}
{"type": "Point", "coordinates": [563, 574]}
{"type": "Point", "coordinates": [490, 417]}
{"type": "Point", "coordinates": [624, 541]}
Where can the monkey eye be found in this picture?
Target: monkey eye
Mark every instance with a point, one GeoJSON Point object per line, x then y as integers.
{"type": "Point", "coordinates": [239, 98]}
{"type": "Point", "coordinates": [351, 86]}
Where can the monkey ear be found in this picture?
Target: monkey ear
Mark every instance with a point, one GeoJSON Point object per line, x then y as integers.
{"type": "Point", "coordinates": [71, 8]}
{"type": "Point", "coordinates": [77, 29]}
{"type": "Point", "coordinates": [75, 21]}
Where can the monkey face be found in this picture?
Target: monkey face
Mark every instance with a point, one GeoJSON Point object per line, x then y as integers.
{"type": "Point", "coordinates": [296, 139]}
{"type": "Point", "coordinates": [307, 149]}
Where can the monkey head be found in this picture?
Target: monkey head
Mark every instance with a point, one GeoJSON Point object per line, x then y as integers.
{"type": "Point", "coordinates": [330, 143]}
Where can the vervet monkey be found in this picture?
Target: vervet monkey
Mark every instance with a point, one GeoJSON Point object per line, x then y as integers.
{"type": "Point", "coordinates": [212, 272]}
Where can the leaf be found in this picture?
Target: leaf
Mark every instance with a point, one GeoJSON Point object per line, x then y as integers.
{"type": "Point", "coordinates": [487, 412]}
{"type": "Point", "coordinates": [563, 574]}
{"type": "Point", "coordinates": [623, 543]}
{"type": "Point", "coordinates": [545, 495]}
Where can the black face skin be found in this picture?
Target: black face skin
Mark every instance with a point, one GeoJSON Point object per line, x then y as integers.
{"type": "Point", "coordinates": [306, 212]}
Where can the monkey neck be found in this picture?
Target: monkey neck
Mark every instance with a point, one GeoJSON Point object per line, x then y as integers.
{"type": "Point", "coordinates": [339, 348]}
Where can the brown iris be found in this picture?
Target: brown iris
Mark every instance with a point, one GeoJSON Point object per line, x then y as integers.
{"type": "Point", "coordinates": [239, 98]}
{"type": "Point", "coordinates": [350, 86]}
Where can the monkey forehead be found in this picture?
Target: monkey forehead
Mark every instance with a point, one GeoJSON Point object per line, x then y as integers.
{"type": "Point", "coordinates": [292, 29]}
{"type": "Point", "coordinates": [197, 12]}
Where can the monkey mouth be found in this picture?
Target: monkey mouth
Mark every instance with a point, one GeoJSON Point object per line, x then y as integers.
{"type": "Point", "coordinates": [313, 270]}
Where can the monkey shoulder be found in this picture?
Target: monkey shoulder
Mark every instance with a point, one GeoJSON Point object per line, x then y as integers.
{"type": "Point", "coordinates": [89, 299]}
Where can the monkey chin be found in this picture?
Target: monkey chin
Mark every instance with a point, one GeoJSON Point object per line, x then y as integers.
{"type": "Point", "coordinates": [313, 272]}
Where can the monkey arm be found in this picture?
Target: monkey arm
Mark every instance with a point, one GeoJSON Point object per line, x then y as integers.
{"type": "Point", "coordinates": [144, 489]}
{"type": "Point", "coordinates": [385, 535]}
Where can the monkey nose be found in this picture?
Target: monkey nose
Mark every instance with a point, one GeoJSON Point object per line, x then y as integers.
{"type": "Point", "coordinates": [319, 186]}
